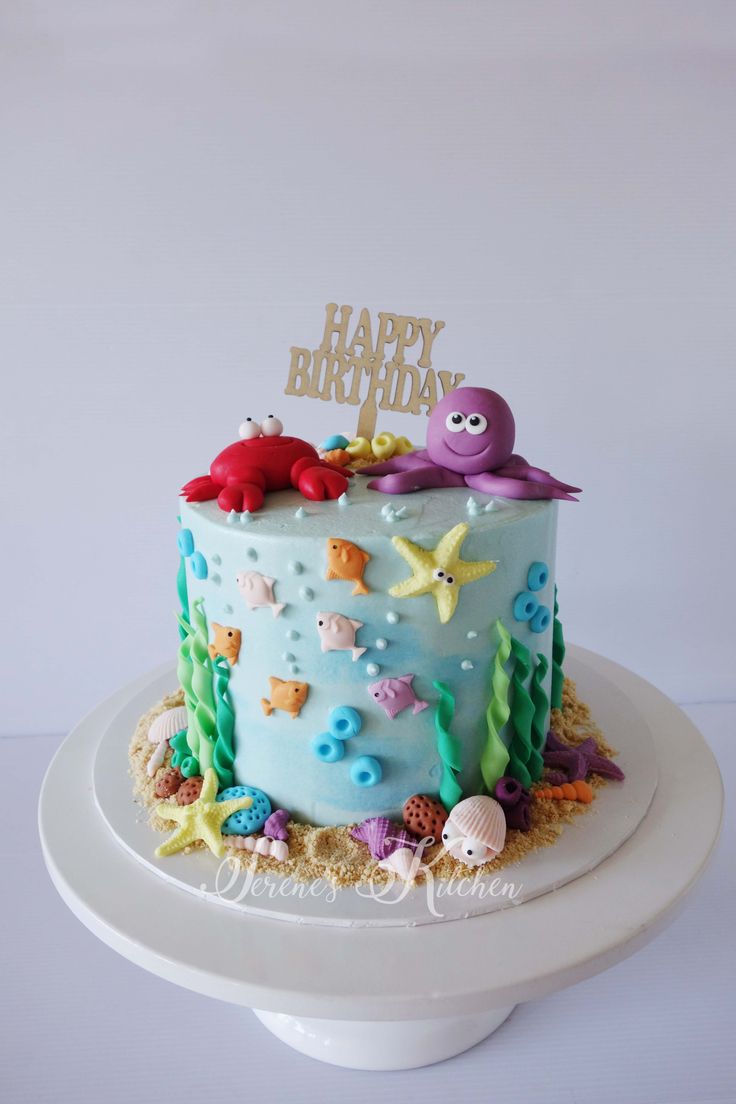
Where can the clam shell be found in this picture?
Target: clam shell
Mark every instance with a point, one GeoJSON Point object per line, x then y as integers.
{"type": "Point", "coordinates": [481, 818]}
{"type": "Point", "coordinates": [168, 724]}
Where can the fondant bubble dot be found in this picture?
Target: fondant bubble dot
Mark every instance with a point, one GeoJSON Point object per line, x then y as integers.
{"type": "Point", "coordinates": [228, 608]}
{"type": "Point", "coordinates": [185, 542]}
{"type": "Point", "coordinates": [387, 509]}
{"type": "Point", "coordinates": [372, 669]}
{"type": "Point", "coordinates": [344, 722]}
{"type": "Point", "coordinates": [525, 606]}
{"type": "Point", "coordinates": [292, 634]}
{"type": "Point", "coordinates": [300, 513]}
{"type": "Point", "coordinates": [392, 617]}
{"type": "Point", "coordinates": [199, 565]}
{"type": "Point", "coordinates": [295, 567]}
{"type": "Point", "coordinates": [537, 576]}
{"type": "Point", "coordinates": [541, 619]}
{"type": "Point", "coordinates": [366, 771]}
{"type": "Point", "coordinates": [328, 748]}
{"type": "Point", "coordinates": [245, 821]}
{"type": "Point", "coordinates": [343, 500]}
{"type": "Point", "coordinates": [215, 578]}
{"type": "Point", "coordinates": [471, 634]}
{"type": "Point", "coordinates": [294, 669]}
{"type": "Point", "coordinates": [216, 559]}
{"type": "Point", "coordinates": [245, 518]}
{"type": "Point", "coordinates": [288, 657]}
{"type": "Point", "coordinates": [252, 554]}
{"type": "Point", "coordinates": [467, 665]}
{"type": "Point", "coordinates": [231, 518]}
{"type": "Point", "coordinates": [306, 593]}
{"type": "Point", "coordinates": [382, 644]}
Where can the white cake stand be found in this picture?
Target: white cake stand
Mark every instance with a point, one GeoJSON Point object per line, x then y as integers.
{"type": "Point", "coordinates": [392, 996]}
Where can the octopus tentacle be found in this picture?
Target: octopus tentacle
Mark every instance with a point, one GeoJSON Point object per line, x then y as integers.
{"type": "Point", "coordinates": [405, 462]}
{"type": "Point", "coordinates": [506, 486]}
{"type": "Point", "coordinates": [516, 467]}
{"type": "Point", "coordinates": [418, 479]}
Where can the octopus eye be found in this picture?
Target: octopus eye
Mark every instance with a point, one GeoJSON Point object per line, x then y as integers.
{"type": "Point", "coordinates": [249, 430]}
{"type": "Point", "coordinates": [438, 574]}
{"type": "Point", "coordinates": [449, 579]}
{"type": "Point", "coordinates": [271, 427]}
{"type": "Point", "coordinates": [455, 422]}
{"type": "Point", "coordinates": [477, 424]}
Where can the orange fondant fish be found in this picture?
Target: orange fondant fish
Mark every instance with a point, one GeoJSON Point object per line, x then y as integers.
{"type": "Point", "coordinates": [289, 696]}
{"type": "Point", "coordinates": [226, 643]}
{"type": "Point", "coordinates": [346, 561]}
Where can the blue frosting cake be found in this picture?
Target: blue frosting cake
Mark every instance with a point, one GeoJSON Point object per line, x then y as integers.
{"type": "Point", "coordinates": [265, 578]}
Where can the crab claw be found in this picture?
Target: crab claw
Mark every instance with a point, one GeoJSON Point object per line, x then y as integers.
{"type": "Point", "coordinates": [318, 481]}
{"type": "Point", "coordinates": [201, 489]}
{"type": "Point", "coordinates": [240, 497]}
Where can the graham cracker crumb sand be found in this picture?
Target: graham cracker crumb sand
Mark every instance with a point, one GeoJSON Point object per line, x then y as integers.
{"type": "Point", "coordinates": [331, 853]}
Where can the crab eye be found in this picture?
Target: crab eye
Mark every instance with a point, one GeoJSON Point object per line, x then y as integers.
{"type": "Point", "coordinates": [438, 574]}
{"type": "Point", "coordinates": [455, 422]}
{"type": "Point", "coordinates": [271, 427]}
{"type": "Point", "coordinates": [249, 430]}
{"type": "Point", "coordinates": [477, 424]}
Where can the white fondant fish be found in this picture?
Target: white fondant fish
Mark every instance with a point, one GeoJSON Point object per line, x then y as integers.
{"type": "Point", "coordinates": [257, 590]}
{"type": "Point", "coordinates": [337, 633]}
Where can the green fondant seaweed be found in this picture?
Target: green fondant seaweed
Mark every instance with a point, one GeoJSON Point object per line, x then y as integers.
{"type": "Point", "coordinates": [541, 707]}
{"type": "Point", "coordinates": [224, 753]}
{"type": "Point", "coordinates": [448, 746]}
{"type": "Point", "coordinates": [558, 657]}
{"type": "Point", "coordinates": [524, 761]}
{"type": "Point", "coordinates": [495, 755]}
{"type": "Point", "coordinates": [202, 723]}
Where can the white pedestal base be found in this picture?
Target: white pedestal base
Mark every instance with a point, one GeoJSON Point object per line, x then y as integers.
{"type": "Point", "coordinates": [383, 1044]}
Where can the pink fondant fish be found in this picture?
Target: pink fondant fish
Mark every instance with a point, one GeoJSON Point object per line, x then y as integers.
{"type": "Point", "coordinates": [395, 694]}
{"type": "Point", "coordinates": [257, 590]}
{"type": "Point", "coordinates": [337, 633]}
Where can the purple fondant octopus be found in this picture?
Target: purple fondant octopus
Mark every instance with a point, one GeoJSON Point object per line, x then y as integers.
{"type": "Point", "coordinates": [470, 443]}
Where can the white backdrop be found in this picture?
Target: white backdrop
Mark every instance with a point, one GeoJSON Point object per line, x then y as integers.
{"type": "Point", "coordinates": [184, 186]}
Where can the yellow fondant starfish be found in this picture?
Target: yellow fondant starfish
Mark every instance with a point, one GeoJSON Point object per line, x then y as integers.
{"type": "Point", "coordinates": [439, 571]}
{"type": "Point", "coordinates": [201, 820]}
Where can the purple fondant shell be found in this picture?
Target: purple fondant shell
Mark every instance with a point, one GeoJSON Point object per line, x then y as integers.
{"type": "Point", "coordinates": [382, 837]}
{"type": "Point", "coordinates": [275, 826]}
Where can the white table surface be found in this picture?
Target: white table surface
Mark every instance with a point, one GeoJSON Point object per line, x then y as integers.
{"type": "Point", "coordinates": [80, 1023]}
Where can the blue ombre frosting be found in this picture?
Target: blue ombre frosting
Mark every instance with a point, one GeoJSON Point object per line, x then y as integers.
{"type": "Point", "coordinates": [402, 636]}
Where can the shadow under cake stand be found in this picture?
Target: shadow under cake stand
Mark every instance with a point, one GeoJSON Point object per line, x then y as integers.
{"type": "Point", "coordinates": [374, 985]}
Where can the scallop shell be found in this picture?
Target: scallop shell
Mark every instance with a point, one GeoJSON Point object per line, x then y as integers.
{"type": "Point", "coordinates": [480, 818]}
{"type": "Point", "coordinates": [168, 724]}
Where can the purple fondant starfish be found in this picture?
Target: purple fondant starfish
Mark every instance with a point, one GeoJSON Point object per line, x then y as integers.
{"type": "Point", "coordinates": [577, 762]}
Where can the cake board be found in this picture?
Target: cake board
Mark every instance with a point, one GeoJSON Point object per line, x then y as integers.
{"type": "Point", "coordinates": [361, 995]}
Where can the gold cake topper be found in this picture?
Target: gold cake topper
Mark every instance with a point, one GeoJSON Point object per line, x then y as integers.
{"type": "Point", "coordinates": [357, 369]}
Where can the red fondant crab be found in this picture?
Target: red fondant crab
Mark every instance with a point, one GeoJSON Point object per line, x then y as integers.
{"type": "Point", "coordinates": [263, 460]}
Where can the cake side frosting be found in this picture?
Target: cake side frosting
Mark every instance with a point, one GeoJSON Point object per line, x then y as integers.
{"type": "Point", "coordinates": [264, 579]}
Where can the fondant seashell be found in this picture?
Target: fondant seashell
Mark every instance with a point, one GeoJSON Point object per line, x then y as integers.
{"type": "Point", "coordinates": [261, 845]}
{"type": "Point", "coordinates": [275, 826]}
{"type": "Point", "coordinates": [157, 757]}
{"type": "Point", "coordinates": [482, 819]}
{"type": "Point", "coordinates": [403, 862]}
{"type": "Point", "coordinates": [167, 724]}
{"type": "Point", "coordinates": [382, 837]}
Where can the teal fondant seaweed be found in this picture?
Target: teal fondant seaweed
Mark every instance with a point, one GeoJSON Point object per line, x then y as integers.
{"type": "Point", "coordinates": [448, 746]}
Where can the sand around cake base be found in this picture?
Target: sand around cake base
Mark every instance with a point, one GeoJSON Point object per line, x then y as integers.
{"type": "Point", "coordinates": [332, 854]}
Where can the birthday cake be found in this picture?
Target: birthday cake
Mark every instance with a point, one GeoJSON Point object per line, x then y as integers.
{"type": "Point", "coordinates": [371, 656]}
